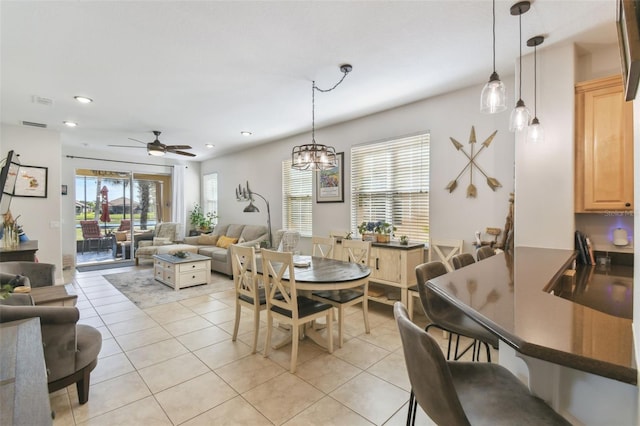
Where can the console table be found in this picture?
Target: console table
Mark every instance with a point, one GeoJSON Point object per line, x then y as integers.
{"type": "Point", "coordinates": [25, 252]}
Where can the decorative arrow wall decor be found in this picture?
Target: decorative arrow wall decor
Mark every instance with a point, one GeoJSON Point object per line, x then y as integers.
{"type": "Point", "coordinates": [471, 189]}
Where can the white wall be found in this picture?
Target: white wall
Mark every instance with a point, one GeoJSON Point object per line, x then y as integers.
{"type": "Point", "coordinates": [39, 217]}
{"type": "Point", "coordinates": [452, 215]}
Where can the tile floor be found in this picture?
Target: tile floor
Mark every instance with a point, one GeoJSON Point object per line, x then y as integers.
{"type": "Point", "coordinates": [175, 364]}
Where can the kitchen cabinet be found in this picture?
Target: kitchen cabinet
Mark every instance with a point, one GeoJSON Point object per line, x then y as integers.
{"type": "Point", "coordinates": [603, 147]}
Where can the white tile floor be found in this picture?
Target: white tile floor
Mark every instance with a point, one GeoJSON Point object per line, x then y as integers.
{"type": "Point", "coordinates": [176, 364]}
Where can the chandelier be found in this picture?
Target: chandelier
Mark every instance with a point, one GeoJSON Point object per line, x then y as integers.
{"type": "Point", "coordinates": [316, 156]}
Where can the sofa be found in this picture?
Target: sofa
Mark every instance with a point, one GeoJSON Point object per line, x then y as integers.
{"type": "Point", "coordinates": [217, 248]}
{"type": "Point", "coordinates": [163, 239]}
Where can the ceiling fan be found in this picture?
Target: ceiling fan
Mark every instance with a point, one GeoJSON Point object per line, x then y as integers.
{"type": "Point", "coordinates": [158, 148]}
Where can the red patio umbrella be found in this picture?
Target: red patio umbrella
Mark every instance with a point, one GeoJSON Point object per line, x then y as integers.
{"type": "Point", "coordinates": [104, 203]}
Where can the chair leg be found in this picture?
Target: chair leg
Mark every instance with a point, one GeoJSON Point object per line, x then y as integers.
{"type": "Point", "coordinates": [294, 347]}
{"type": "Point", "coordinates": [365, 311]}
{"type": "Point", "coordinates": [488, 352]}
{"type": "Point", "coordinates": [410, 410]}
{"type": "Point", "coordinates": [330, 331]}
{"type": "Point", "coordinates": [256, 328]}
{"type": "Point", "coordinates": [410, 306]}
{"type": "Point", "coordinates": [236, 325]}
{"type": "Point", "coordinates": [82, 386]}
{"type": "Point", "coordinates": [267, 342]}
{"type": "Point", "coordinates": [340, 325]}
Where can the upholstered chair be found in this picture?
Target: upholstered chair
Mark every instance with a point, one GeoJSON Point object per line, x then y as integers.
{"type": "Point", "coordinates": [461, 260]}
{"type": "Point", "coordinates": [39, 274]}
{"type": "Point", "coordinates": [70, 349]}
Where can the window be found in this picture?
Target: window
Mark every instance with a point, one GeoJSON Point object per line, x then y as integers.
{"type": "Point", "coordinates": [390, 183]}
{"type": "Point", "coordinates": [297, 199]}
{"type": "Point", "coordinates": [210, 194]}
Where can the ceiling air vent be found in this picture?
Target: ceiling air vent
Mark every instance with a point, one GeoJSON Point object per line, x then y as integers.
{"type": "Point", "coordinates": [32, 124]}
{"type": "Point", "coordinates": [41, 100]}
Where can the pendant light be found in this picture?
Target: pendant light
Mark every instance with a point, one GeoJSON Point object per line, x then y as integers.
{"type": "Point", "coordinates": [492, 98]}
{"type": "Point", "coordinates": [535, 132]}
{"type": "Point", "coordinates": [316, 156]}
{"type": "Point", "coordinates": [520, 115]}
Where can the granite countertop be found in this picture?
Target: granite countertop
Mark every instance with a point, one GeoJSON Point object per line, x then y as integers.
{"type": "Point", "coordinates": [517, 297]}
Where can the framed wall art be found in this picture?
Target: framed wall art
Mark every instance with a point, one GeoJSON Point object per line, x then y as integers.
{"type": "Point", "coordinates": [330, 183]}
{"type": "Point", "coordinates": [31, 182]}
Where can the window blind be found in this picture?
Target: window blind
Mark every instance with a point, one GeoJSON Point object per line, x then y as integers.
{"type": "Point", "coordinates": [297, 200]}
{"type": "Point", "coordinates": [390, 183]}
{"type": "Point", "coordinates": [210, 194]}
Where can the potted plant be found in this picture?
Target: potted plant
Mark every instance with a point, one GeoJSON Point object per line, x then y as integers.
{"type": "Point", "coordinates": [201, 221]}
{"type": "Point", "coordinates": [367, 229]}
{"type": "Point", "coordinates": [383, 231]}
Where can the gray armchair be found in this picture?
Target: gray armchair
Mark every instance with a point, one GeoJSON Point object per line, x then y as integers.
{"type": "Point", "coordinates": [39, 274]}
{"type": "Point", "coordinates": [70, 350]}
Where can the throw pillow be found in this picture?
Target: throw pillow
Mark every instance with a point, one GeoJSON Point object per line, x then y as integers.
{"type": "Point", "coordinates": [208, 239]}
{"type": "Point", "coordinates": [121, 235]}
{"type": "Point", "coordinates": [225, 242]}
{"type": "Point", "coordinates": [157, 241]}
{"type": "Point", "coordinates": [241, 240]}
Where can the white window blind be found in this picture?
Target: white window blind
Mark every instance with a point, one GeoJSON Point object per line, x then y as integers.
{"type": "Point", "coordinates": [390, 183]}
{"type": "Point", "coordinates": [210, 194]}
{"type": "Point", "coordinates": [297, 199]}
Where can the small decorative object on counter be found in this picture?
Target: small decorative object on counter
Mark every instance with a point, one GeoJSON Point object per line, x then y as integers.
{"type": "Point", "coordinates": [366, 229]}
{"type": "Point", "coordinates": [11, 231]}
{"type": "Point", "coordinates": [384, 231]}
{"type": "Point", "coordinates": [404, 240]}
{"type": "Point", "coordinates": [181, 254]}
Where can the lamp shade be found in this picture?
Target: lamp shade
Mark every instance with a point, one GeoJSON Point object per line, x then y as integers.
{"type": "Point", "coordinates": [492, 98]}
{"type": "Point", "coordinates": [519, 119]}
{"type": "Point", "coordinates": [251, 208]}
{"type": "Point", "coordinates": [535, 132]}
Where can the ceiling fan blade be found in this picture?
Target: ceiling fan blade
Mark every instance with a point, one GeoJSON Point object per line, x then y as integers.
{"type": "Point", "coordinates": [136, 140]}
{"type": "Point", "coordinates": [188, 154]}
{"type": "Point", "coordinates": [127, 146]}
{"type": "Point", "coordinates": [174, 147]}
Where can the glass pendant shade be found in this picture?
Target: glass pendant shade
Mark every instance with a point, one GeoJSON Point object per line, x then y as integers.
{"type": "Point", "coordinates": [519, 119]}
{"type": "Point", "coordinates": [535, 132]}
{"type": "Point", "coordinates": [492, 98]}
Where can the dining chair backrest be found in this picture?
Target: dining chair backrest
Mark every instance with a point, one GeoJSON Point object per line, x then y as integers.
{"type": "Point", "coordinates": [90, 229]}
{"type": "Point", "coordinates": [443, 250]}
{"type": "Point", "coordinates": [484, 252]}
{"type": "Point", "coordinates": [322, 246]}
{"type": "Point", "coordinates": [429, 373]}
{"type": "Point", "coordinates": [280, 293]}
{"type": "Point", "coordinates": [243, 263]}
{"type": "Point", "coordinates": [461, 260]}
{"type": "Point", "coordinates": [432, 304]}
{"type": "Point", "coordinates": [357, 251]}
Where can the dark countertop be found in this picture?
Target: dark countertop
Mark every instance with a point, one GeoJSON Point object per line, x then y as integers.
{"type": "Point", "coordinates": [510, 295]}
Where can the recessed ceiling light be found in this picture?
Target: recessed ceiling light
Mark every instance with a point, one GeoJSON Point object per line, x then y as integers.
{"type": "Point", "coordinates": [83, 99]}
{"type": "Point", "coordinates": [209, 145]}
{"type": "Point", "coordinates": [245, 133]}
{"type": "Point", "coordinates": [70, 123]}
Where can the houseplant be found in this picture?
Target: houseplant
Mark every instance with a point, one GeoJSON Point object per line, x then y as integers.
{"type": "Point", "coordinates": [366, 229]}
{"type": "Point", "coordinates": [201, 221]}
{"type": "Point", "coordinates": [383, 231]}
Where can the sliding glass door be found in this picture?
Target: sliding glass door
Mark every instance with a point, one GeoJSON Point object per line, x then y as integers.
{"type": "Point", "coordinates": [112, 208]}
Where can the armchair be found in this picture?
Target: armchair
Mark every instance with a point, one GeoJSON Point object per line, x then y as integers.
{"type": "Point", "coordinates": [38, 274]}
{"type": "Point", "coordinates": [70, 350]}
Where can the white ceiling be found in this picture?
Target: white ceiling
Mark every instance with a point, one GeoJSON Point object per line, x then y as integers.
{"type": "Point", "coordinates": [203, 71]}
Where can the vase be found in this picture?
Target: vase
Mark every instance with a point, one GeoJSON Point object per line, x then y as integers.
{"type": "Point", "coordinates": [383, 238]}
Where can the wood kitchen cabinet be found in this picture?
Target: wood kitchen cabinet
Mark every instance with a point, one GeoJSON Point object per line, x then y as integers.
{"type": "Point", "coordinates": [603, 147]}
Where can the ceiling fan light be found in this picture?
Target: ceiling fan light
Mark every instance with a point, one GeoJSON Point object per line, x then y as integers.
{"type": "Point", "coordinates": [157, 151]}
{"type": "Point", "coordinates": [492, 98]}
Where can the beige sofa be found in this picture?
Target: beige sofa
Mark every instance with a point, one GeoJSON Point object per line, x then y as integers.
{"type": "Point", "coordinates": [246, 235]}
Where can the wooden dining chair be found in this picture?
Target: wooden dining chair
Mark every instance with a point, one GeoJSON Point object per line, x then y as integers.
{"type": "Point", "coordinates": [357, 252]}
{"type": "Point", "coordinates": [249, 295]}
{"type": "Point", "coordinates": [443, 250]}
{"type": "Point", "coordinates": [286, 305]}
{"type": "Point", "coordinates": [322, 246]}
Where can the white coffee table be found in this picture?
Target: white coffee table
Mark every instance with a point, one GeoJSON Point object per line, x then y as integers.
{"type": "Point", "coordinates": [178, 273]}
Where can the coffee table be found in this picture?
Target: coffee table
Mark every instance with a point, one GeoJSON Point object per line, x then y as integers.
{"type": "Point", "coordinates": [178, 273]}
{"type": "Point", "coordinates": [54, 295]}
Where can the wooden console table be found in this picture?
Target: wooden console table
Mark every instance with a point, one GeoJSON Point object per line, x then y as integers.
{"type": "Point", "coordinates": [25, 252]}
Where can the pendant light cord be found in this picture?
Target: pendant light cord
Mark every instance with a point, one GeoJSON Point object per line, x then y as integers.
{"type": "Point", "coordinates": [494, 36]}
{"type": "Point", "coordinates": [535, 81]}
{"type": "Point", "coordinates": [313, 111]}
{"type": "Point", "coordinates": [520, 45]}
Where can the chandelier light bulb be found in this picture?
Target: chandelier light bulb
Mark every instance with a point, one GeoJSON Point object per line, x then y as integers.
{"type": "Point", "coordinates": [519, 119]}
{"type": "Point", "coordinates": [535, 132]}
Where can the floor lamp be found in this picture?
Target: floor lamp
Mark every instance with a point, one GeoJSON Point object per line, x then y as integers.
{"type": "Point", "coordinates": [246, 194]}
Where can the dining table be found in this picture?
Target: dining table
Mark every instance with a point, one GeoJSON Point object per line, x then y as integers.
{"type": "Point", "coordinates": [320, 274]}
